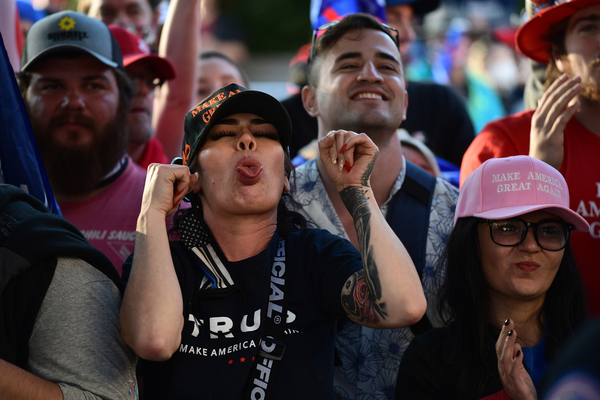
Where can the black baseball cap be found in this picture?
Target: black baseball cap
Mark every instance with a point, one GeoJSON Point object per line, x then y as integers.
{"type": "Point", "coordinates": [228, 100]}
{"type": "Point", "coordinates": [70, 30]}
{"type": "Point", "coordinates": [420, 7]}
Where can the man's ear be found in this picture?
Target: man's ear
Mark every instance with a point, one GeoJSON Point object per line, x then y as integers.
{"type": "Point", "coordinates": [286, 184]}
{"type": "Point", "coordinates": [560, 65]}
{"type": "Point", "coordinates": [309, 99]}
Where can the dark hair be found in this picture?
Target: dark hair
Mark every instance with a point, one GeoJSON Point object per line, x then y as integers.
{"type": "Point", "coordinates": [154, 3]}
{"type": "Point", "coordinates": [464, 300]}
{"type": "Point", "coordinates": [207, 55]}
{"type": "Point", "coordinates": [124, 84]}
{"type": "Point", "coordinates": [288, 221]}
{"type": "Point", "coordinates": [333, 34]}
{"type": "Point", "coordinates": [556, 40]}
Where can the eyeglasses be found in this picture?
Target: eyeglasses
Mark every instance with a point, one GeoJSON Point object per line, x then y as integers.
{"type": "Point", "coordinates": [329, 24]}
{"type": "Point", "coordinates": [549, 235]}
{"type": "Point", "coordinates": [151, 83]}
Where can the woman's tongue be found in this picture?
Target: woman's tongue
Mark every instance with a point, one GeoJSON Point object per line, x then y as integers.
{"type": "Point", "coordinates": [248, 171]}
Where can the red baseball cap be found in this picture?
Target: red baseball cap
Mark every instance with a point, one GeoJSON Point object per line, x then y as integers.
{"type": "Point", "coordinates": [134, 49]}
{"type": "Point", "coordinates": [531, 37]}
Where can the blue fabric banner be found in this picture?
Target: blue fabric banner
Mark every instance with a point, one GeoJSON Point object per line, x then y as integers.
{"type": "Point", "coordinates": [20, 159]}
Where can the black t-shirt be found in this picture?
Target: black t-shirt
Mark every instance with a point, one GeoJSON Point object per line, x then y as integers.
{"type": "Point", "coordinates": [441, 115]}
{"type": "Point", "coordinates": [215, 359]}
{"type": "Point", "coordinates": [429, 369]}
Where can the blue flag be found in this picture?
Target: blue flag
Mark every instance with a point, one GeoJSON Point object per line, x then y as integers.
{"type": "Point", "coordinates": [323, 11]}
{"type": "Point", "coordinates": [20, 159]}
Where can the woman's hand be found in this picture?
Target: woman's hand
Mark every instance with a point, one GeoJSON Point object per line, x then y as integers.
{"type": "Point", "coordinates": [165, 187]}
{"type": "Point", "coordinates": [555, 109]}
{"type": "Point", "coordinates": [515, 379]}
{"type": "Point", "coordinates": [348, 158]}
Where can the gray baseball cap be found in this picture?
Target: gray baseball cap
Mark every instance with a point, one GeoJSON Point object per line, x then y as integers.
{"type": "Point", "coordinates": [69, 30]}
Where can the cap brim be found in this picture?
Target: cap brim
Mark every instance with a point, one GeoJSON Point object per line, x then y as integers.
{"type": "Point", "coordinates": [568, 215]}
{"type": "Point", "coordinates": [61, 47]}
{"type": "Point", "coordinates": [531, 38]}
{"type": "Point", "coordinates": [162, 66]}
{"type": "Point", "coordinates": [259, 103]}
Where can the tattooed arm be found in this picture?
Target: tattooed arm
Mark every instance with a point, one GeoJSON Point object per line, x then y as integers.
{"type": "Point", "coordinates": [387, 292]}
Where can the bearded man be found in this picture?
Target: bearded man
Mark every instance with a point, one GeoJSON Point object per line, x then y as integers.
{"type": "Point", "coordinates": [564, 129]}
{"type": "Point", "coordinates": [78, 96]}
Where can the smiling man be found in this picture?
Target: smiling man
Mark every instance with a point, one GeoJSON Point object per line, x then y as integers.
{"type": "Point", "coordinates": [356, 83]}
{"type": "Point", "coordinates": [78, 97]}
{"type": "Point", "coordinates": [564, 130]}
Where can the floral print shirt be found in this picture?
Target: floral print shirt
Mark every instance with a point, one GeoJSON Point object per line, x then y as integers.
{"type": "Point", "coordinates": [370, 357]}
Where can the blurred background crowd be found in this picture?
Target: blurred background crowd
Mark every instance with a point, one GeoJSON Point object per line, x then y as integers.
{"type": "Point", "coordinates": [466, 44]}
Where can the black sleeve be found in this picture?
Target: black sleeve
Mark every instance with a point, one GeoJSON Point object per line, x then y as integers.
{"type": "Point", "coordinates": [441, 115]}
{"type": "Point", "coordinates": [422, 371]}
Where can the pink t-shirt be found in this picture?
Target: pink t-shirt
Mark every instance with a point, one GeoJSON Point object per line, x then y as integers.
{"type": "Point", "coordinates": [108, 220]}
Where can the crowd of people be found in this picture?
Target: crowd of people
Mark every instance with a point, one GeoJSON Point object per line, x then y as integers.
{"type": "Point", "coordinates": [366, 238]}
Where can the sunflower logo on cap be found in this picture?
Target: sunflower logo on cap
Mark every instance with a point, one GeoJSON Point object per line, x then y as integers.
{"type": "Point", "coordinates": [66, 23]}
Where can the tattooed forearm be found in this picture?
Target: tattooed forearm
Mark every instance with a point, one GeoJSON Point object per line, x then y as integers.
{"type": "Point", "coordinates": [358, 205]}
{"type": "Point", "coordinates": [356, 201]}
{"type": "Point", "coordinates": [357, 302]}
{"type": "Point", "coordinates": [365, 179]}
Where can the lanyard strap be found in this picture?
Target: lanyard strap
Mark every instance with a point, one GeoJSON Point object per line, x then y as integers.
{"type": "Point", "coordinates": [272, 345]}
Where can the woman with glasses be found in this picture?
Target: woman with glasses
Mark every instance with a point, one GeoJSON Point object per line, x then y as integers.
{"type": "Point", "coordinates": [512, 292]}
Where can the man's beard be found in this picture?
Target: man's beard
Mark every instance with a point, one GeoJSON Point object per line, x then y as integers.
{"type": "Point", "coordinates": [74, 171]}
{"type": "Point", "coordinates": [590, 91]}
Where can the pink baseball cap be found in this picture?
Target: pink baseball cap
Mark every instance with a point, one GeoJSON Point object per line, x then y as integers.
{"type": "Point", "coordinates": [508, 187]}
{"type": "Point", "coordinates": [134, 49]}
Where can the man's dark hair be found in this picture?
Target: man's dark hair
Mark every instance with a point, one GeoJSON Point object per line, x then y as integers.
{"type": "Point", "coordinates": [465, 301]}
{"type": "Point", "coordinates": [207, 55]}
{"type": "Point", "coordinates": [332, 35]}
{"type": "Point", "coordinates": [556, 40]}
{"type": "Point", "coordinates": [154, 3]}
